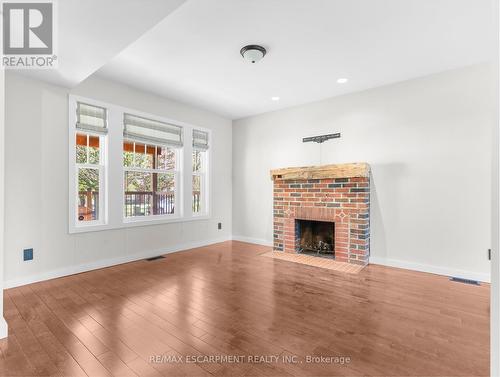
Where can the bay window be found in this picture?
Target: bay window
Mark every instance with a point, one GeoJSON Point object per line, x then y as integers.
{"type": "Point", "coordinates": [128, 168]}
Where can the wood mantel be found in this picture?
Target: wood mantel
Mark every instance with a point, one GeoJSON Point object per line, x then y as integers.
{"type": "Point", "coordinates": [358, 169]}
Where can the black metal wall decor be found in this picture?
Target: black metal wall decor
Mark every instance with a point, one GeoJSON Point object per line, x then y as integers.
{"type": "Point", "coordinates": [321, 139]}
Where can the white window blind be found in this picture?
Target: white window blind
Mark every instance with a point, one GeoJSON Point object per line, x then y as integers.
{"type": "Point", "coordinates": [90, 118]}
{"type": "Point", "coordinates": [148, 131]}
{"type": "Point", "coordinates": [200, 140]}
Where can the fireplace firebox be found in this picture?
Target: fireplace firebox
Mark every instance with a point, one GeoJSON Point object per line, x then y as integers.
{"type": "Point", "coordinates": [315, 238]}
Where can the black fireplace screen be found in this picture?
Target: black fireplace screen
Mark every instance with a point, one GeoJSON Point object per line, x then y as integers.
{"type": "Point", "coordinates": [315, 238]}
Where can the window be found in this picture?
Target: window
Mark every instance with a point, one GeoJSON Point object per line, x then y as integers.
{"type": "Point", "coordinates": [200, 165]}
{"type": "Point", "coordinates": [129, 169]}
{"type": "Point", "coordinates": [151, 167]}
{"type": "Point", "coordinates": [91, 130]}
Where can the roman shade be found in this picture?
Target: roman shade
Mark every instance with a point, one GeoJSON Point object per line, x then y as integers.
{"type": "Point", "coordinates": [200, 140]}
{"type": "Point", "coordinates": [148, 131]}
{"type": "Point", "coordinates": [90, 118]}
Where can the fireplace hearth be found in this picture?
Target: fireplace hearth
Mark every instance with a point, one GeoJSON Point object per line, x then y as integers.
{"type": "Point", "coordinates": [315, 238]}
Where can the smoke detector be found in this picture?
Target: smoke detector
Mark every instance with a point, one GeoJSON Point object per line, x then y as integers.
{"type": "Point", "coordinates": [253, 53]}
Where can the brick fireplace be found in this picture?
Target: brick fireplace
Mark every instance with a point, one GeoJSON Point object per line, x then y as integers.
{"type": "Point", "coordinates": [321, 195]}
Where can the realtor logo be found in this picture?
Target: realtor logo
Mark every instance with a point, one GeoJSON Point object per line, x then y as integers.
{"type": "Point", "coordinates": [28, 35]}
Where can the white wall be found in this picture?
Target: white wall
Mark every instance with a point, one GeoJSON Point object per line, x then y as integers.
{"type": "Point", "coordinates": [495, 203]}
{"type": "Point", "coordinates": [3, 323]}
{"type": "Point", "coordinates": [37, 183]}
{"type": "Point", "coordinates": [428, 143]}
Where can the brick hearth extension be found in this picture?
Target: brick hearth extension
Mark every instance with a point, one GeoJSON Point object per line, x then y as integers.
{"type": "Point", "coordinates": [335, 193]}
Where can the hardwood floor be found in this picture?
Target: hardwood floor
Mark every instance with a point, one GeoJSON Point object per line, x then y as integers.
{"type": "Point", "coordinates": [226, 299]}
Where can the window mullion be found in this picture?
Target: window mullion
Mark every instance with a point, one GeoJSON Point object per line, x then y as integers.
{"type": "Point", "coordinates": [87, 149]}
{"type": "Point", "coordinates": [133, 155]}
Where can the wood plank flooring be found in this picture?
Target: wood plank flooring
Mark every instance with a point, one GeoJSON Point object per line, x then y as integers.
{"type": "Point", "coordinates": [269, 315]}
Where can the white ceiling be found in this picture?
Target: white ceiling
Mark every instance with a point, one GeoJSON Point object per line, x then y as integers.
{"type": "Point", "coordinates": [91, 32]}
{"type": "Point", "coordinates": [193, 55]}
{"type": "Point", "coordinates": [190, 52]}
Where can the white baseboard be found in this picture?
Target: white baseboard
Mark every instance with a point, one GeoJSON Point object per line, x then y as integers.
{"type": "Point", "coordinates": [107, 263]}
{"type": "Point", "coordinates": [257, 241]}
{"type": "Point", "coordinates": [484, 277]}
{"type": "Point", "coordinates": [4, 328]}
{"type": "Point", "coordinates": [471, 275]}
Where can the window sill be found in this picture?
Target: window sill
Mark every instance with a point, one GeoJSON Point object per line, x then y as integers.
{"type": "Point", "coordinates": [88, 227]}
{"type": "Point", "coordinates": [131, 223]}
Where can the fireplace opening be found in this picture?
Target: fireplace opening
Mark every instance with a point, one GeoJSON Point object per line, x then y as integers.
{"type": "Point", "coordinates": [315, 238]}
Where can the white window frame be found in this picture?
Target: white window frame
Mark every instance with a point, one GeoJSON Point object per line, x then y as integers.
{"type": "Point", "coordinates": [74, 224]}
{"type": "Point", "coordinates": [112, 210]}
{"type": "Point", "coordinates": [177, 189]}
{"type": "Point", "coordinates": [204, 189]}
{"type": "Point", "coordinates": [101, 168]}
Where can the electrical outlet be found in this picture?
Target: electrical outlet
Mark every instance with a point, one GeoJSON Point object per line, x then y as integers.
{"type": "Point", "coordinates": [27, 254]}
{"type": "Point", "coordinates": [219, 226]}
